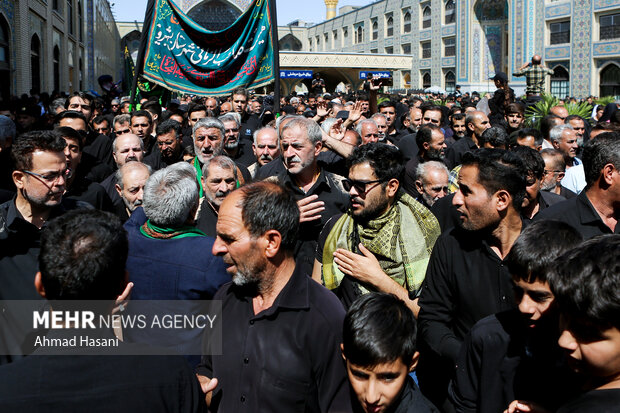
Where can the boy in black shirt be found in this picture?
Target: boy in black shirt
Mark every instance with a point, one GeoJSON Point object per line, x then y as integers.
{"type": "Point", "coordinates": [379, 347]}
{"type": "Point", "coordinates": [586, 284]}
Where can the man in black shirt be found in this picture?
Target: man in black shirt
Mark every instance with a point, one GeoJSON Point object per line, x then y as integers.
{"type": "Point", "coordinates": [238, 149]}
{"type": "Point", "coordinates": [283, 329]}
{"type": "Point", "coordinates": [596, 210]}
{"type": "Point", "coordinates": [169, 140]}
{"type": "Point", "coordinates": [249, 122]}
{"type": "Point", "coordinates": [466, 278]}
{"type": "Point", "coordinates": [142, 125]}
{"type": "Point", "coordinates": [476, 122]}
{"type": "Point", "coordinates": [219, 178]}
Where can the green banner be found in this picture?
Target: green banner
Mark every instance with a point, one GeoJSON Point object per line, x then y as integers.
{"type": "Point", "coordinates": [183, 56]}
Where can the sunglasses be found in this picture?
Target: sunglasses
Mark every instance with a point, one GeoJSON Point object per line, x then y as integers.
{"type": "Point", "coordinates": [361, 187]}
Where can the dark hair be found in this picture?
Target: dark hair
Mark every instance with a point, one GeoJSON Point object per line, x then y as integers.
{"type": "Point", "coordinates": [598, 152]}
{"type": "Point", "coordinates": [385, 160]}
{"type": "Point", "coordinates": [82, 95]}
{"type": "Point", "coordinates": [167, 126]}
{"type": "Point", "coordinates": [494, 136]}
{"type": "Point", "coordinates": [386, 104]}
{"type": "Point", "coordinates": [586, 285]}
{"type": "Point", "coordinates": [522, 133]}
{"type": "Point", "coordinates": [70, 114]}
{"type": "Point", "coordinates": [378, 328]}
{"type": "Point", "coordinates": [67, 132]}
{"type": "Point", "coordinates": [533, 161]}
{"type": "Point", "coordinates": [152, 106]}
{"type": "Point", "coordinates": [266, 206]}
{"type": "Point", "coordinates": [457, 116]}
{"type": "Point", "coordinates": [83, 256]}
{"type": "Point", "coordinates": [535, 250]}
{"type": "Point", "coordinates": [196, 108]}
{"type": "Point", "coordinates": [240, 91]}
{"type": "Point", "coordinates": [547, 123]}
{"type": "Point", "coordinates": [27, 143]}
{"type": "Point", "coordinates": [100, 119]}
{"type": "Point", "coordinates": [425, 107]}
{"type": "Point", "coordinates": [499, 169]}
{"type": "Point", "coordinates": [142, 113]}
{"type": "Point", "coordinates": [425, 135]}
{"type": "Point", "coordinates": [558, 162]}
{"type": "Point", "coordinates": [514, 108]}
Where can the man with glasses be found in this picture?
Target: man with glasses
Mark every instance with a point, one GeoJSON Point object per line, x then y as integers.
{"type": "Point", "coordinates": [384, 240]}
{"type": "Point", "coordinates": [101, 125]}
{"type": "Point", "coordinates": [40, 176]}
{"type": "Point", "coordinates": [121, 124]}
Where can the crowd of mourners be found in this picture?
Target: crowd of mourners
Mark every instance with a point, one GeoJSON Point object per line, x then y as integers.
{"type": "Point", "coordinates": [372, 252]}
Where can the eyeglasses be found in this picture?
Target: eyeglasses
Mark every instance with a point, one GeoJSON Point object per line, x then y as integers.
{"type": "Point", "coordinates": [122, 132]}
{"type": "Point", "coordinates": [546, 172]}
{"type": "Point", "coordinates": [51, 177]}
{"type": "Point", "coordinates": [360, 186]}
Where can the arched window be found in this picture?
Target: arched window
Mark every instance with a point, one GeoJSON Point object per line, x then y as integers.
{"type": "Point", "coordinates": [450, 16]}
{"type": "Point", "coordinates": [426, 80]}
{"type": "Point", "coordinates": [560, 82]}
{"type": "Point", "coordinates": [80, 22]}
{"type": "Point", "coordinates": [407, 22]}
{"type": "Point", "coordinates": [390, 26]}
{"type": "Point", "coordinates": [610, 81]}
{"type": "Point", "coordinates": [360, 34]}
{"type": "Point", "coordinates": [56, 68]}
{"type": "Point", "coordinates": [70, 15]}
{"type": "Point", "coordinates": [426, 17]}
{"type": "Point", "coordinates": [450, 81]}
{"type": "Point", "coordinates": [35, 63]}
{"type": "Point", "coordinates": [326, 42]}
{"type": "Point", "coordinates": [375, 30]}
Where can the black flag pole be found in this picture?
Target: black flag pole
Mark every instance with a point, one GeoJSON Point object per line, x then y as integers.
{"type": "Point", "coordinates": [276, 57]}
{"type": "Point", "coordinates": [139, 66]}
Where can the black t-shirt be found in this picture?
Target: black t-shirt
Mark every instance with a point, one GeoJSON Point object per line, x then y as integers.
{"type": "Point", "coordinates": [599, 401]}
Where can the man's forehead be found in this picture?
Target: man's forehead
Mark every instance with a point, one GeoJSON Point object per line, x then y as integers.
{"type": "Point", "coordinates": [362, 171]}
{"type": "Point", "coordinates": [216, 171]}
{"type": "Point", "coordinates": [198, 115]}
{"type": "Point", "coordinates": [266, 138]}
{"type": "Point", "coordinates": [135, 176]}
{"type": "Point", "coordinates": [239, 98]}
{"type": "Point", "coordinates": [294, 134]}
{"type": "Point", "coordinates": [210, 132]}
{"type": "Point", "coordinates": [47, 159]}
{"type": "Point", "coordinates": [468, 175]}
{"type": "Point", "coordinates": [140, 119]}
{"type": "Point", "coordinates": [128, 141]}
{"type": "Point", "coordinates": [167, 136]}
{"type": "Point", "coordinates": [432, 114]}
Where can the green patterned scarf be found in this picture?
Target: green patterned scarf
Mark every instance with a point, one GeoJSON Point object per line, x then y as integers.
{"type": "Point", "coordinates": [154, 232]}
{"type": "Point", "coordinates": [402, 240]}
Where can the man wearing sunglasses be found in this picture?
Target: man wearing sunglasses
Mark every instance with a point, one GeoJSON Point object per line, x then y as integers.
{"type": "Point", "coordinates": [384, 240]}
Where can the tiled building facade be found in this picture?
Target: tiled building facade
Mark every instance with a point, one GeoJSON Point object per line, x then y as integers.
{"type": "Point", "coordinates": [60, 45]}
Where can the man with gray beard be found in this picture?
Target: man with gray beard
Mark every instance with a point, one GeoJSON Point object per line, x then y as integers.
{"type": "Point", "coordinates": [208, 136]}
{"type": "Point", "coordinates": [219, 178]}
{"type": "Point", "coordinates": [130, 181]}
{"type": "Point", "coordinates": [234, 147]}
{"type": "Point", "coordinates": [266, 147]}
{"type": "Point", "coordinates": [283, 330]}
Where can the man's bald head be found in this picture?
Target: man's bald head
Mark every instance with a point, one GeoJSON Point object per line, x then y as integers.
{"type": "Point", "coordinates": [536, 59]}
{"type": "Point", "coordinates": [559, 111]}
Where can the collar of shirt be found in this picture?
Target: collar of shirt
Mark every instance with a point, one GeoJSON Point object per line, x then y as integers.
{"type": "Point", "coordinates": [15, 221]}
{"type": "Point", "coordinates": [293, 296]}
{"type": "Point", "coordinates": [587, 212]}
{"type": "Point", "coordinates": [321, 181]}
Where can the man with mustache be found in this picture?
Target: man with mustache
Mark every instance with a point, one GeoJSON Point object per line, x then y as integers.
{"type": "Point", "coordinates": [130, 181]}
{"type": "Point", "coordinates": [234, 147]}
{"type": "Point", "coordinates": [219, 178]}
{"type": "Point", "coordinates": [208, 135]}
{"type": "Point", "coordinates": [266, 147]}
{"type": "Point", "coordinates": [169, 140]}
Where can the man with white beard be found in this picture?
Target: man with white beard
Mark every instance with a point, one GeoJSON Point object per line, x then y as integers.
{"type": "Point", "coordinates": [208, 136]}
{"type": "Point", "coordinates": [266, 147]}
{"type": "Point", "coordinates": [130, 181]}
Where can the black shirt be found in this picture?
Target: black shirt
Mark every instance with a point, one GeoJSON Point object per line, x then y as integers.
{"type": "Point", "coordinates": [245, 155]}
{"type": "Point", "coordinates": [249, 123]}
{"type": "Point", "coordinates": [207, 218]}
{"type": "Point", "coordinates": [100, 147]}
{"type": "Point", "coordinates": [503, 360]}
{"type": "Point", "coordinates": [284, 359]}
{"type": "Point", "coordinates": [336, 202]}
{"type": "Point", "coordinates": [454, 153]}
{"type": "Point", "coordinates": [408, 146]}
{"type": "Point", "coordinates": [465, 281]}
{"type": "Point", "coordinates": [157, 162]}
{"type": "Point", "coordinates": [410, 400]}
{"type": "Point", "coordinates": [599, 401]}
{"type": "Point", "coordinates": [579, 213]}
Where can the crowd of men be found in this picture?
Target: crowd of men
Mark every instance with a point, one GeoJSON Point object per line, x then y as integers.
{"type": "Point", "coordinates": [352, 240]}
